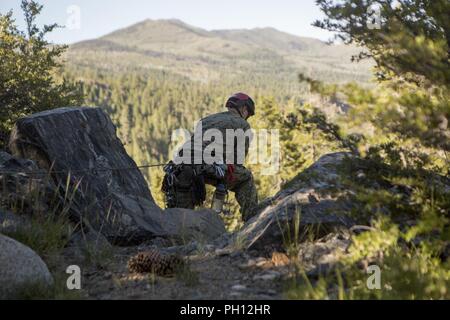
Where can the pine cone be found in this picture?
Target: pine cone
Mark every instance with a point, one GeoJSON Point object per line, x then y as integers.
{"type": "Point", "coordinates": [144, 261]}
{"type": "Point", "coordinates": [153, 261]}
{"type": "Point", "coordinates": [170, 264]}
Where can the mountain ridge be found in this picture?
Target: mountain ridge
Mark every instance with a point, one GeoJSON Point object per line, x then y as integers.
{"type": "Point", "coordinates": [187, 26]}
{"type": "Point", "coordinates": [175, 46]}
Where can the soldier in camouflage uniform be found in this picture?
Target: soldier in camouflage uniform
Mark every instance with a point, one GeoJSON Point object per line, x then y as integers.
{"type": "Point", "coordinates": [184, 181]}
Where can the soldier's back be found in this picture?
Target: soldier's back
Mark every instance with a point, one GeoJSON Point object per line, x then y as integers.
{"type": "Point", "coordinates": [224, 120]}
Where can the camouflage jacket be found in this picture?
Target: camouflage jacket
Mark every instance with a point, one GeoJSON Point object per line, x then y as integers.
{"type": "Point", "coordinates": [235, 134]}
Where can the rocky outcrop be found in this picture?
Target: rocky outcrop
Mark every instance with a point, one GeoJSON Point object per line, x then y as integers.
{"type": "Point", "coordinates": [312, 198]}
{"type": "Point", "coordinates": [21, 269]}
{"type": "Point", "coordinates": [80, 144]}
{"type": "Point", "coordinates": [110, 194]}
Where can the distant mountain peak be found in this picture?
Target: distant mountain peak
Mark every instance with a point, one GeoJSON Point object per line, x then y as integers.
{"type": "Point", "coordinates": [266, 29]}
{"type": "Point", "coordinates": [173, 21]}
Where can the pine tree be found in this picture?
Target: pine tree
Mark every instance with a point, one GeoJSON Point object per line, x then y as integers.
{"type": "Point", "coordinates": [28, 64]}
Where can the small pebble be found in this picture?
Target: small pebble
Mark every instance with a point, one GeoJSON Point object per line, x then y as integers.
{"type": "Point", "coordinates": [267, 276]}
{"type": "Point", "coordinates": [238, 287]}
{"type": "Point", "coordinates": [223, 252]}
{"type": "Point", "coordinates": [261, 263]}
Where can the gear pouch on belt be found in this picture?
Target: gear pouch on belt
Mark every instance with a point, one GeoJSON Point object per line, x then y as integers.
{"type": "Point", "coordinates": [198, 188]}
{"type": "Point", "coordinates": [189, 179]}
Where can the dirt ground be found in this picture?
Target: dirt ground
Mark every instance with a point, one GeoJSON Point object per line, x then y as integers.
{"type": "Point", "coordinates": [210, 274]}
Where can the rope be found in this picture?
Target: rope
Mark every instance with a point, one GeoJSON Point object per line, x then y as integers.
{"type": "Point", "coordinates": [83, 170]}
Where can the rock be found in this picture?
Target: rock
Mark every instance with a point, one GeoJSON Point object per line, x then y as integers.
{"type": "Point", "coordinates": [223, 241]}
{"type": "Point", "coordinates": [202, 225]}
{"type": "Point", "coordinates": [223, 252]}
{"type": "Point", "coordinates": [84, 142]}
{"type": "Point", "coordinates": [322, 256]}
{"type": "Point", "coordinates": [247, 265]}
{"type": "Point", "coordinates": [158, 242]}
{"type": "Point", "coordinates": [209, 248]}
{"type": "Point", "coordinates": [269, 276]}
{"type": "Point", "coordinates": [11, 223]}
{"type": "Point", "coordinates": [25, 187]}
{"type": "Point", "coordinates": [310, 197]}
{"type": "Point", "coordinates": [235, 294]}
{"type": "Point", "coordinates": [238, 287]}
{"type": "Point", "coordinates": [20, 268]}
{"type": "Point", "coordinates": [236, 254]}
{"type": "Point", "coordinates": [321, 270]}
{"type": "Point", "coordinates": [117, 203]}
{"type": "Point", "coordinates": [261, 263]}
{"type": "Point", "coordinates": [183, 250]}
{"type": "Point", "coordinates": [89, 242]}
{"type": "Point", "coordinates": [271, 292]}
{"type": "Point", "coordinates": [254, 263]}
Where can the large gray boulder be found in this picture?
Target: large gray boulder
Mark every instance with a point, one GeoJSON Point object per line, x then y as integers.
{"type": "Point", "coordinates": [112, 196]}
{"type": "Point", "coordinates": [21, 269]}
{"type": "Point", "coordinates": [80, 144]}
{"type": "Point", "coordinates": [311, 198]}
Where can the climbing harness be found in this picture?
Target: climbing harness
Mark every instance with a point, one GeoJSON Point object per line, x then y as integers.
{"type": "Point", "coordinates": [196, 175]}
{"type": "Point", "coordinates": [168, 186]}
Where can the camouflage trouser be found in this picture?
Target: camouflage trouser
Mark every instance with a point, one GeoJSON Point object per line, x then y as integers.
{"type": "Point", "coordinates": [241, 183]}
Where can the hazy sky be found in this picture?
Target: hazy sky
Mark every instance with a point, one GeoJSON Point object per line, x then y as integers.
{"type": "Point", "coordinates": [99, 17]}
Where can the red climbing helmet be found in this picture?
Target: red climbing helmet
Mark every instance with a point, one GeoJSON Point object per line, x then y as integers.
{"type": "Point", "coordinates": [239, 100]}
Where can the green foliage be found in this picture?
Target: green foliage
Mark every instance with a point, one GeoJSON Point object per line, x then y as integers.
{"type": "Point", "coordinates": [47, 228]}
{"type": "Point", "coordinates": [407, 207]}
{"type": "Point", "coordinates": [408, 271]}
{"type": "Point", "coordinates": [405, 274]}
{"type": "Point", "coordinates": [412, 42]}
{"type": "Point", "coordinates": [47, 235]}
{"type": "Point", "coordinates": [301, 143]}
{"type": "Point", "coordinates": [301, 288]}
{"type": "Point", "coordinates": [398, 183]}
{"type": "Point", "coordinates": [313, 120]}
{"type": "Point", "coordinates": [411, 53]}
{"type": "Point", "coordinates": [291, 238]}
{"type": "Point", "coordinates": [409, 111]}
{"type": "Point", "coordinates": [29, 64]}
